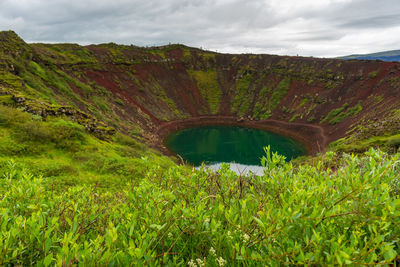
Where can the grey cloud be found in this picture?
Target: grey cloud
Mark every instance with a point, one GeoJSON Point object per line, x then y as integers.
{"type": "Point", "coordinates": [373, 22]}
{"type": "Point", "coordinates": [224, 25]}
{"type": "Point", "coordinates": [317, 35]}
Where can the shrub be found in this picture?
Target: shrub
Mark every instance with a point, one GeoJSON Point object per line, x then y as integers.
{"type": "Point", "coordinates": [67, 135]}
{"type": "Point", "coordinates": [51, 168]}
{"type": "Point", "coordinates": [308, 215]}
{"type": "Point", "coordinates": [64, 134]}
{"type": "Point", "coordinates": [11, 148]}
{"type": "Point", "coordinates": [10, 116]}
{"type": "Point", "coordinates": [36, 131]}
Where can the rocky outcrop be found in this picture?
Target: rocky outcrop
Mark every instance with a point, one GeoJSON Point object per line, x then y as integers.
{"type": "Point", "coordinates": [91, 124]}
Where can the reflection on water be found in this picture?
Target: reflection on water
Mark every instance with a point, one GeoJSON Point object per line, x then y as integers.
{"type": "Point", "coordinates": [240, 169]}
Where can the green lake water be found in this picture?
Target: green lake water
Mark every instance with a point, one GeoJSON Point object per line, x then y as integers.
{"type": "Point", "coordinates": [226, 144]}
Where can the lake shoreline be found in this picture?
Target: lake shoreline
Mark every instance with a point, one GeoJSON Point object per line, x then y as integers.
{"type": "Point", "coordinates": [309, 135]}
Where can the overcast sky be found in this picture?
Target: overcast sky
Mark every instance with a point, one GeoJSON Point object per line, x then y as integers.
{"type": "Point", "coordinates": [286, 27]}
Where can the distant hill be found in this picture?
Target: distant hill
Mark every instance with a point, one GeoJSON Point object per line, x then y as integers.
{"type": "Point", "coordinates": [393, 55]}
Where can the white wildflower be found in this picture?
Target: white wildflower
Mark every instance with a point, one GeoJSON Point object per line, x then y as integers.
{"type": "Point", "coordinates": [207, 220]}
{"type": "Point", "coordinates": [246, 238]}
{"type": "Point", "coordinates": [200, 262]}
{"type": "Point", "coordinates": [212, 251]}
{"type": "Point", "coordinates": [229, 234]}
{"type": "Point", "coordinates": [191, 263]}
{"type": "Point", "coordinates": [221, 261]}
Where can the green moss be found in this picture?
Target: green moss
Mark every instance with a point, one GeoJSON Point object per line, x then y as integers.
{"type": "Point", "coordinates": [264, 92]}
{"type": "Point", "coordinates": [36, 87]}
{"type": "Point", "coordinates": [389, 143]}
{"type": "Point", "coordinates": [66, 54]}
{"type": "Point", "coordinates": [373, 74]}
{"type": "Point", "coordinates": [345, 114]}
{"type": "Point", "coordinates": [330, 85]}
{"type": "Point", "coordinates": [302, 103]}
{"type": "Point", "coordinates": [101, 103]}
{"type": "Point", "coordinates": [333, 113]}
{"type": "Point", "coordinates": [187, 56]}
{"type": "Point", "coordinates": [311, 119]}
{"type": "Point", "coordinates": [207, 56]}
{"type": "Point", "coordinates": [279, 92]}
{"type": "Point", "coordinates": [6, 100]}
{"type": "Point", "coordinates": [337, 115]}
{"type": "Point", "coordinates": [10, 80]}
{"type": "Point", "coordinates": [207, 83]}
{"type": "Point", "coordinates": [158, 52]}
{"type": "Point", "coordinates": [242, 99]}
{"type": "Point", "coordinates": [295, 116]}
{"type": "Point", "coordinates": [153, 88]}
{"type": "Point", "coordinates": [54, 78]}
{"type": "Point", "coordinates": [84, 87]}
{"type": "Point", "coordinates": [261, 107]}
{"type": "Point", "coordinates": [120, 102]}
{"type": "Point", "coordinates": [35, 68]}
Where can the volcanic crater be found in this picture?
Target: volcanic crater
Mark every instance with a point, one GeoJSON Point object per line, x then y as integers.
{"type": "Point", "coordinates": [151, 92]}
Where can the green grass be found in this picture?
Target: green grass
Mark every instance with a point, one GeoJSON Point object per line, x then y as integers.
{"type": "Point", "coordinates": [303, 102]}
{"type": "Point", "coordinates": [279, 92]}
{"type": "Point", "coordinates": [337, 115]}
{"type": "Point", "coordinates": [10, 80]}
{"type": "Point", "coordinates": [82, 86]}
{"type": "Point", "coordinates": [67, 54]}
{"type": "Point", "coordinates": [241, 101]}
{"type": "Point", "coordinates": [333, 113]}
{"type": "Point", "coordinates": [389, 143]}
{"type": "Point", "coordinates": [295, 116]}
{"type": "Point", "coordinates": [261, 108]}
{"type": "Point", "coordinates": [373, 74]}
{"type": "Point", "coordinates": [207, 83]}
{"type": "Point", "coordinates": [42, 78]}
{"type": "Point", "coordinates": [57, 144]}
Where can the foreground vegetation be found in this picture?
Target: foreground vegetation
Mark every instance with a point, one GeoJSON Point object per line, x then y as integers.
{"type": "Point", "coordinates": [75, 191]}
{"type": "Point", "coordinates": [82, 201]}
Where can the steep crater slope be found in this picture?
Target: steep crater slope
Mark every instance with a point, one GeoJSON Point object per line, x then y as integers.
{"type": "Point", "coordinates": [149, 92]}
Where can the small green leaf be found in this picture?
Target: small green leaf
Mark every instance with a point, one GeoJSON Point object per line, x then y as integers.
{"type": "Point", "coordinates": [47, 261]}
{"type": "Point", "coordinates": [258, 221]}
{"type": "Point", "coordinates": [47, 245]}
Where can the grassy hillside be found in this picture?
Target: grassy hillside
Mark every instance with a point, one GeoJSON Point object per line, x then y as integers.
{"type": "Point", "coordinates": [83, 181]}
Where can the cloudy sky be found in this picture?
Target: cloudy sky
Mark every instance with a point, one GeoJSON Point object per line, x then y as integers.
{"type": "Point", "coordinates": [322, 28]}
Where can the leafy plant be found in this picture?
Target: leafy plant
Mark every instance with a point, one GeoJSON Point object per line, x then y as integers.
{"type": "Point", "coordinates": [179, 215]}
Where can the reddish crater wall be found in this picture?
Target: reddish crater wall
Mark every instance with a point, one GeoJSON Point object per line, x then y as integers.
{"type": "Point", "coordinates": [161, 93]}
